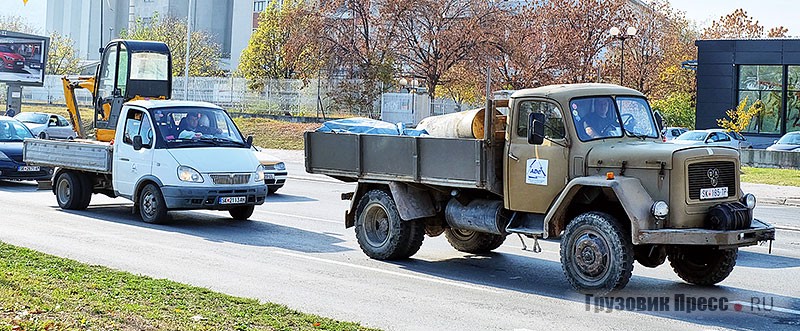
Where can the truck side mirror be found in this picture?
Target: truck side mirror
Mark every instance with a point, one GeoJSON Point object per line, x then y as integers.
{"type": "Point", "coordinates": [137, 142]}
{"type": "Point", "coordinates": [249, 141]}
{"type": "Point", "coordinates": [659, 120]}
{"type": "Point", "coordinates": [535, 128]}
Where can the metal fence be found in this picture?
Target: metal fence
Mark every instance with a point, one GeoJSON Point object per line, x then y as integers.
{"type": "Point", "coordinates": [278, 97]}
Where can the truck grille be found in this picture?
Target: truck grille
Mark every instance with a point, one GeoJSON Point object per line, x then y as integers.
{"type": "Point", "coordinates": [230, 179]}
{"type": "Point", "coordinates": [699, 177]}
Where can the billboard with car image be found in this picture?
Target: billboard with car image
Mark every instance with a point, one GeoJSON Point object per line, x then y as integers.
{"type": "Point", "coordinates": [23, 58]}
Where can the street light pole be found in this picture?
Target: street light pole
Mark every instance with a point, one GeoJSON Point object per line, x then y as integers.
{"type": "Point", "coordinates": [188, 44]}
{"type": "Point", "coordinates": [617, 34]}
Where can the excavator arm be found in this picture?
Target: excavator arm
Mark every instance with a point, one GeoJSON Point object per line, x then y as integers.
{"type": "Point", "coordinates": [70, 84]}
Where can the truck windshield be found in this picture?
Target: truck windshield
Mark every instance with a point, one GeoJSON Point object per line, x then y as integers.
{"type": "Point", "coordinates": [605, 117]}
{"type": "Point", "coordinates": [196, 127]}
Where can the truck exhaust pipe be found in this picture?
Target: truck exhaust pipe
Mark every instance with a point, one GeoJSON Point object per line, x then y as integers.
{"type": "Point", "coordinates": [487, 216]}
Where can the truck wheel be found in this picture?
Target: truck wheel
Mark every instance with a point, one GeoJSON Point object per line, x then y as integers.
{"type": "Point", "coordinates": [596, 254]}
{"type": "Point", "coordinates": [87, 184]}
{"type": "Point", "coordinates": [380, 231]}
{"type": "Point", "coordinates": [472, 241]}
{"type": "Point", "coordinates": [152, 207]}
{"type": "Point", "coordinates": [650, 256]}
{"type": "Point", "coordinates": [242, 213]}
{"type": "Point", "coordinates": [69, 190]}
{"type": "Point", "coordinates": [702, 265]}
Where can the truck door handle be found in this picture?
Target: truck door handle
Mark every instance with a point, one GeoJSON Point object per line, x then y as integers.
{"type": "Point", "coordinates": [513, 157]}
{"type": "Point", "coordinates": [124, 159]}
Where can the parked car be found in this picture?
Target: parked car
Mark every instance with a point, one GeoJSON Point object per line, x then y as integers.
{"type": "Point", "coordinates": [743, 143]}
{"type": "Point", "coordinates": [672, 132]}
{"type": "Point", "coordinates": [11, 60]}
{"type": "Point", "coordinates": [789, 142]}
{"type": "Point", "coordinates": [706, 137]}
{"type": "Point", "coordinates": [47, 126]}
{"type": "Point", "coordinates": [12, 133]}
{"type": "Point", "coordinates": [274, 170]}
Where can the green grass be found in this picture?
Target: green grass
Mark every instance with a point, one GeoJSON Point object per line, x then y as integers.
{"type": "Point", "coordinates": [43, 292]}
{"type": "Point", "coordinates": [784, 177]}
{"type": "Point", "coordinates": [274, 134]}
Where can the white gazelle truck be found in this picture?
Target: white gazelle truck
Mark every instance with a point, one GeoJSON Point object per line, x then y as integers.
{"type": "Point", "coordinates": [165, 155]}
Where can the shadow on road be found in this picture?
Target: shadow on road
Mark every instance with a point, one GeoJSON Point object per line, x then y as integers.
{"type": "Point", "coordinates": [766, 261]}
{"type": "Point", "coordinates": [536, 276]}
{"type": "Point", "coordinates": [279, 197]}
{"type": "Point", "coordinates": [219, 228]}
{"type": "Point", "coordinates": [17, 186]}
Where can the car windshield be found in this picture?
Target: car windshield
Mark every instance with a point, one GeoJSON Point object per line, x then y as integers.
{"type": "Point", "coordinates": [35, 118]}
{"type": "Point", "coordinates": [11, 130]}
{"type": "Point", "coordinates": [790, 139]}
{"type": "Point", "coordinates": [693, 136]}
{"type": "Point", "coordinates": [5, 49]}
{"type": "Point", "coordinates": [196, 127]}
{"type": "Point", "coordinates": [602, 117]}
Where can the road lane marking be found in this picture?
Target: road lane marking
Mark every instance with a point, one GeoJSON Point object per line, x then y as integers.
{"type": "Point", "coordinates": [778, 309]}
{"type": "Point", "coordinates": [305, 217]}
{"type": "Point", "coordinates": [393, 273]}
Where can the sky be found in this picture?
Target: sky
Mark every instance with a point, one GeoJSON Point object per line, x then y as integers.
{"type": "Point", "coordinates": [769, 13]}
{"type": "Point", "coordinates": [34, 12]}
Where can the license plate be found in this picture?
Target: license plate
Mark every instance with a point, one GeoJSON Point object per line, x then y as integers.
{"type": "Point", "coordinates": [28, 168]}
{"type": "Point", "coordinates": [20, 63]}
{"type": "Point", "coordinates": [269, 176]}
{"type": "Point", "coordinates": [713, 193]}
{"type": "Point", "coordinates": [232, 200]}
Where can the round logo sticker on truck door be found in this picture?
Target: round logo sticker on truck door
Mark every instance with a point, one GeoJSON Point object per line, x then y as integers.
{"type": "Point", "coordinates": [536, 172]}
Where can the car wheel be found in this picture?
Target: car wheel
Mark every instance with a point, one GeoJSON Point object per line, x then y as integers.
{"type": "Point", "coordinates": [43, 135]}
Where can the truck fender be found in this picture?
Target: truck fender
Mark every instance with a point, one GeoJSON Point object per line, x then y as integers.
{"type": "Point", "coordinates": [412, 203]}
{"type": "Point", "coordinates": [140, 183]}
{"type": "Point", "coordinates": [629, 191]}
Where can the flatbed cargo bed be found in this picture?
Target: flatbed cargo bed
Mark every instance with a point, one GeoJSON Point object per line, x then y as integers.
{"type": "Point", "coordinates": [83, 155]}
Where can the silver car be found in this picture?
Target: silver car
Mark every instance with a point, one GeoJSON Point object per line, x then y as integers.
{"type": "Point", "coordinates": [706, 137]}
{"type": "Point", "coordinates": [47, 126]}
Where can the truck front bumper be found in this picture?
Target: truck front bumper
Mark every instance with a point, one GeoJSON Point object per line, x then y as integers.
{"type": "Point", "coordinates": [209, 197]}
{"type": "Point", "coordinates": [758, 231]}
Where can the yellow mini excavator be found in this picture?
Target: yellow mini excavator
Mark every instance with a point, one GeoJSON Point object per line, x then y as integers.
{"type": "Point", "coordinates": [128, 70]}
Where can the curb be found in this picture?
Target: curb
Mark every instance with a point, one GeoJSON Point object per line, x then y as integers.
{"type": "Point", "coordinates": [792, 202]}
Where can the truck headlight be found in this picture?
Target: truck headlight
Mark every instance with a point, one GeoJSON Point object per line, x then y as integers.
{"type": "Point", "coordinates": [260, 173]}
{"type": "Point", "coordinates": [749, 200]}
{"type": "Point", "coordinates": [187, 174]}
{"type": "Point", "coordinates": [660, 210]}
{"type": "Point", "coordinates": [280, 166]}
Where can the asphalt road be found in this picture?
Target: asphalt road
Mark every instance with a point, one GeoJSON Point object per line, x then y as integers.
{"type": "Point", "coordinates": [296, 251]}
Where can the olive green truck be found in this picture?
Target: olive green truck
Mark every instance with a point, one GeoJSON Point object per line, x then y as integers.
{"type": "Point", "coordinates": [607, 186]}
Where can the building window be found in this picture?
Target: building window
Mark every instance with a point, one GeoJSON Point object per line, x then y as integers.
{"type": "Point", "coordinates": [258, 6]}
{"type": "Point", "coordinates": [763, 83]}
{"type": "Point", "coordinates": [793, 99]}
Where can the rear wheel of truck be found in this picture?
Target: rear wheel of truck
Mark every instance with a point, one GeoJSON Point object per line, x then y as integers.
{"type": "Point", "coordinates": [469, 241]}
{"type": "Point", "coordinates": [69, 190]}
{"type": "Point", "coordinates": [87, 186]}
{"type": "Point", "coordinates": [242, 213]}
{"type": "Point", "coordinates": [380, 231]}
{"type": "Point", "coordinates": [152, 207]}
{"type": "Point", "coordinates": [702, 265]}
{"type": "Point", "coordinates": [596, 254]}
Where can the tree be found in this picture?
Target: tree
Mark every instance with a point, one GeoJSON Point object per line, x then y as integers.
{"type": "Point", "coordinates": [740, 25]}
{"type": "Point", "coordinates": [463, 84]}
{"type": "Point", "coordinates": [62, 58]}
{"type": "Point", "coordinates": [739, 118]}
{"type": "Point", "coordinates": [16, 24]}
{"type": "Point", "coordinates": [677, 108]}
{"type": "Point", "coordinates": [204, 53]}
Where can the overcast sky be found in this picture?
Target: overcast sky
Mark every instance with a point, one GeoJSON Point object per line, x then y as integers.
{"type": "Point", "coordinates": [34, 12]}
{"type": "Point", "coordinates": [769, 13]}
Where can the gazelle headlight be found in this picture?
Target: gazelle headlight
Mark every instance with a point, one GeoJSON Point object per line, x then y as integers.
{"type": "Point", "coordinates": [187, 174]}
{"type": "Point", "coordinates": [660, 210]}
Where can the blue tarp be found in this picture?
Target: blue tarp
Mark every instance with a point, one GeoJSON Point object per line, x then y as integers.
{"type": "Point", "coordinates": [368, 126]}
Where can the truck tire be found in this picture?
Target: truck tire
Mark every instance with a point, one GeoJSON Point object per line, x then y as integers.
{"type": "Point", "coordinates": [69, 190]}
{"type": "Point", "coordinates": [702, 265]}
{"type": "Point", "coordinates": [242, 213]}
{"type": "Point", "coordinates": [650, 256]}
{"type": "Point", "coordinates": [596, 254]}
{"type": "Point", "coordinates": [87, 185]}
{"type": "Point", "coordinates": [380, 231]}
{"type": "Point", "coordinates": [152, 207]}
{"type": "Point", "coordinates": [472, 241]}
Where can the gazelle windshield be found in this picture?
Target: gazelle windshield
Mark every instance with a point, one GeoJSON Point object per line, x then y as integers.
{"type": "Point", "coordinates": [196, 126]}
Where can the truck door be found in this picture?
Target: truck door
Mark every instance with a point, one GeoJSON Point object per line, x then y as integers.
{"type": "Point", "coordinates": [129, 164]}
{"type": "Point", "coordinates": [535, 174]}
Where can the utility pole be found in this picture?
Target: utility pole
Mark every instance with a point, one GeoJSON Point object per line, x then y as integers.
{"type": "Point", "coordinates": [188, 47]}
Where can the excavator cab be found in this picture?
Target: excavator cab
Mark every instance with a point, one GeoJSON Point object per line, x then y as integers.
{"type": "Point", "coordinates": [129, 70]}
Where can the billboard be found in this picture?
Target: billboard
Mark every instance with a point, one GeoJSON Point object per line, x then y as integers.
{"type": "Point", "coordinates": [23, 58]}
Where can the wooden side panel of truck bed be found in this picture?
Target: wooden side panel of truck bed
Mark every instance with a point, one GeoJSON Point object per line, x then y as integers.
{"type": "Point", "coordinates": [425, 160]}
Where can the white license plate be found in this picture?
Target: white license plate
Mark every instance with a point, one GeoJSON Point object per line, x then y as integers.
{"type": "Point", "coordinates": [713, 193]}
{"type": "Point", "coordinates": [20, 63]}
{"type": "Point", "coordinates": [28, 168]}
{"type": "Point", "coordinates": [232, 200]}
{"type": "Point", "coordinates": [269, 176]}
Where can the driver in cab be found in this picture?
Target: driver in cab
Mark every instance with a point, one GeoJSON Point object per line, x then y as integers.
{"type": "Point", "coordinates": [602, 120]}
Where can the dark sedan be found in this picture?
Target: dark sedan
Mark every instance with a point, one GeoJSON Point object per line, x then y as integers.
{"type": "Point", "coordinates": [790, 142]}
{"type": "Point", "coordinates": [12, 132]}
